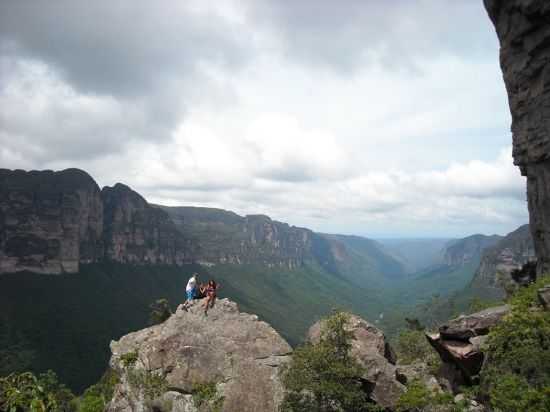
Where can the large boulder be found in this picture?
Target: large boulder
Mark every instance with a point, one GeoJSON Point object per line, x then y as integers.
{"type": "Point", "coordinates": [371, 349]}
{"type": "Point", "coordinates": [234, 354]}
{"type": "Point", "coordinates": [460, 340]}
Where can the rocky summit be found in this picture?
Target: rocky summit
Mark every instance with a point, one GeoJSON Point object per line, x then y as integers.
{"type": "Point", "coordinates": [524, 34]}
{"type": "Point", "coordinates": [226, 361]}
{"type": "Point", "coordinates": [371, 349]}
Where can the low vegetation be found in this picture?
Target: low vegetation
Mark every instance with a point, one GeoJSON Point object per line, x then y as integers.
{"type": "Point", "coordinates": [516, 376]}
{"type": "Point", "coordinates": [206, 395]}
{"type": "Point", "coordinates": [323, 376]}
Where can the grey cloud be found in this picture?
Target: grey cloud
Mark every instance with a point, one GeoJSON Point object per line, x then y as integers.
{"type": "Point", "coordinates": [345, 35]}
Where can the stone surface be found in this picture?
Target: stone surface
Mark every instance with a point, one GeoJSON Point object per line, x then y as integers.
{"type": "Point", "coordinates": [476, 324]}
{"type": "Point", "coordinates": [234, 350]}
{"type": "Point", "coordinates": [544, 296]}
{"type": "Point", "coordinates": [524, 34]}
{"type": "Point", "coordinates": [372, 350]}
{"type": "Point", "coordinates": [494, 276]}
{"type": "Point", "coordinates": [49, 221]}
{"type": "Point", "coordinates": [460, 341]}
{"type": "Point", "coordinates": [136, 232]}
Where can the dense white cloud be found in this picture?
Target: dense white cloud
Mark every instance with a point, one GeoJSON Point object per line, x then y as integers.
{"type": "Point", "coordinates": [369, 117]}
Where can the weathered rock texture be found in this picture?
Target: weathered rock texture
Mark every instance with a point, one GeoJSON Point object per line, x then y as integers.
{"type": "Point", "coordinates": [225, 237]}
{"type": "Point", "coordinates": [494, 275]}
{"type": "Point", "coordinates": [459, 341]}
{"type": "Point", "coordinates": [49, 221]}
{"type": "Point", "coordinates": [523, 29]}
{"type": "Point", "coordinates": [372, 350]}
{"type": "Point", "coordinates": [461, 252]}
{"type": "Point", "coordinates": [136, 232]}
{"type": "Point", "coordinates": [235, 351]}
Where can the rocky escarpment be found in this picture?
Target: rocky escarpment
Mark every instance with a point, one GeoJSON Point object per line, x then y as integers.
{"type": "Point", "coordinates": [459, 341]}
{"type": "Point", "coordinates": [463, 251]}
{"type": "Point", "coordinates": [49, 221]}
{"type": "Point", "coordinates": [228, 360]}
{"type": "Point", "coordinates": [494, 275]}
{"type": "Point", "coordinates": [371, 349]}
{"type": "Point", "coordinates": [225, 237]}
{"type": "Point", "coordinates": [136, 232]}
{"type": "Point", "coordinates": [523, 29]}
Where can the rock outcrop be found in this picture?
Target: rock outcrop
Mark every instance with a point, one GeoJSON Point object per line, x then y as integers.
{"type": "Point", "coordinates": [459, 341]}
{"type": "Point", "coordinates": [463, 251]}
{"type": "Point", "coordinates": [524, 34]}
{"type": "Point", "coordinates": [225, 237]}
{"type": "Point", "coordinates": [371, 349]}
{"type": "Point", "coordinates": [49, 221]}
{"type": "Point", "coordinates": [232, 353]}
{"type": "Point", "coordinates": [136, 232]}
{"type": "Point", "coordinates": [494, 276]}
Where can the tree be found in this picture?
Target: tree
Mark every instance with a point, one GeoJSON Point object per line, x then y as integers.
{"type": "Point", "coordinates": [324, 376]}
{"type": "Point", "coordinates": [160, 311]}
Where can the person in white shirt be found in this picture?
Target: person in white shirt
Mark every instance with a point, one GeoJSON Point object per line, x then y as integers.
{"type": "Point", "coordinates": [190, 290]}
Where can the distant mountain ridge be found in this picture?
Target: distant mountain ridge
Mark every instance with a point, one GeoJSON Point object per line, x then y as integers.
{"type": "Point", "coordinates": [51, 222]}
{"type": "Point", "coordinates": [463, 251]}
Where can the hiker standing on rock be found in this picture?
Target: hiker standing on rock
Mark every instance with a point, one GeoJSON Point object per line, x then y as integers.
{"type": "Point", "coordinates": [210, 295]}
{"type": "Point", "coordinates": [190, 291]}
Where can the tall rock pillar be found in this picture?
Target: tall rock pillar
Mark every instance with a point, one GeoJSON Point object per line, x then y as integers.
{"type": "Point", "coordinates": [523, 28]}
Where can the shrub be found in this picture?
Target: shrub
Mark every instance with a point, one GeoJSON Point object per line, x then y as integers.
{"type": "Point", "coordinates": [160, 311]}
{"type": "Point", "coordinates": [324, 377]}
{"type": "Point", "coordinates": [129, 359]}
{"type": "Point", "coordinates": [516, 375]}
{"type": "Point", "coordinates": [207, 394]}
{"type": "Point", "coordinates": [419, 398]}
{"type": "Point", "coordinates": [97, 396]}
{"type": "Point", "coordinates": [412, 346]}
{"type": "Point", "coordinates": [25, 391]}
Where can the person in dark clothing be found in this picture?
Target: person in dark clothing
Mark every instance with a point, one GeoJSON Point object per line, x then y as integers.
{"type": "Point", "coordinates": [211, 289]}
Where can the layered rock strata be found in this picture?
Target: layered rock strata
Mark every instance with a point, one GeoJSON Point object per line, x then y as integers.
{"type": "Point", "coordinates": [136, 232]}
{"type": "Point", "coordinates": [371, 349]}
{"type": "Point", "coordinates": [49, 221]}
{"type": "Point", "coordinates": [233, 353]}
{"type": "Point", "coordinates": [459, 341]}
{"type": "Point", "coordinates": [523, 30]}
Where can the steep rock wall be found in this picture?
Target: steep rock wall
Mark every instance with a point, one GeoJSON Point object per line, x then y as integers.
{"type": "Point", "coordinates": [49, 221]}
{"type": "Point", "coordinates": [136, 232]}
{"type": "Point", "coordinates": [523, 28]}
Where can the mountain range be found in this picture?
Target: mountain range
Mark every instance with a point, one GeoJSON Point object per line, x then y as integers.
{"type": "Point", "coordinates": [111, 254]}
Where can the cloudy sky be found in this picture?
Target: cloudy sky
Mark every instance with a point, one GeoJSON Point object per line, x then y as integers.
{"type": "Point", "coordinates": [380, 118]}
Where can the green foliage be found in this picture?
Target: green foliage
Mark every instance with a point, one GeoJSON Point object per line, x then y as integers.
{"type": "Point", "coordinates": [516, 375]}
{"type": "Point", "coordinates": [97, 396]}
{"type": "Point", "coordinates": [27, 392]}
{"type": "Point", "coordinates": [206, 395]}
{"type": "Point", "coordinates": [477, 304]}
{"type": "Point", "coordinates": [323, 376]}
{"type": "Point", "coordinates": [419, 398]}
{"type": "Point", "coordinates": [160, 311]}
{"type": "Point", "coordinates": [412, 346]}
{"type": "Point", "coordinates": [129, 359]}
{"type": "Point", "coordinates": [151, 384]}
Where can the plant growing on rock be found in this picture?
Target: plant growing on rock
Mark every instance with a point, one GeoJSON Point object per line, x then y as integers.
{"type": "Point", "coordinates": [160, 311]}
{"type": "Point", "coordinates": [206, 395]}
{"type": "Point", "coordinates": [323, 376]}
{"type": "Point", "coordinates": [516, 376]}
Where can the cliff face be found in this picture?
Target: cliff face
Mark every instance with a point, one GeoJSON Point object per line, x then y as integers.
{"type": "Point", "coordinates": [463, 251]}
{"type": "Point", "coordinates": [497, 263]}
{"type": "Point", "coordinates": [49, 221]}
{"type": "Point", "coordinates": [136, 232]}
{"type": "Point", "coordinates": [523, 29]}
{"type": "Point", "coordinates": [225, 237]}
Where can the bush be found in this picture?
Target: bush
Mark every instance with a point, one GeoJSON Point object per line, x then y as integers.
{"type": "Point", "coordinates": [207, 394]}
{"type": "Point", "coordinates": [27, 392]}
{"type": "Point", "coordinates": [411, 346]}
{"type": "Point", "coordinates": [160, 311]}
{"type": "Point", "coordinates": [419, 398]}
{"type": "Point", "coordinates": [97, 396]}
{"type": "Point", "coordinates": [324, 377]}
{"type": "Point", "coordinates": [516, 375]}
